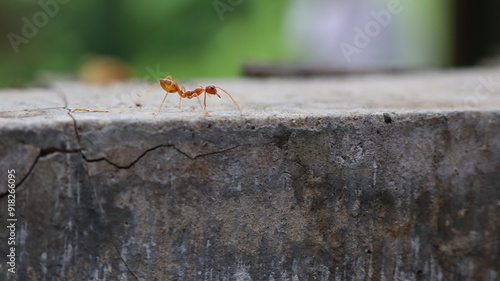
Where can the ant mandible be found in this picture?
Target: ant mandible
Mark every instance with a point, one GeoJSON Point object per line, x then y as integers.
{"type": "Point", "coordinates": [171, 86]}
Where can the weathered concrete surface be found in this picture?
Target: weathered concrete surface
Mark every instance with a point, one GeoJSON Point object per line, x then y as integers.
{"type": "Point", "coordinates": [360, 178]}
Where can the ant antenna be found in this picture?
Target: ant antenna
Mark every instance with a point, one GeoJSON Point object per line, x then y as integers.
{"type": "Point", "coordinates": [237, 105]}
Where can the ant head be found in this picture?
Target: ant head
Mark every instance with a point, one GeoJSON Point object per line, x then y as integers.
{"type": "Point", "coordinates": [211, 90]}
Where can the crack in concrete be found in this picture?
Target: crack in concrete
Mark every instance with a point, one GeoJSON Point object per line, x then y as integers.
{"type": "Point", "coordinates": [131, 163]}
{"type": "Point", "coordinates": [18, 186]}
{"type": "Point", "coordinates": [42, 153]}
{"type": "Point", "coordinates": [155, 148]}
{"type": "Point", "coordinates": [51, 150]}
{"type": "Point", "coordinates": [74, 126]}
{"type": "Point", "coordinates": [142, 154]}
{"type": "Point", "coordinates": [213, 152]}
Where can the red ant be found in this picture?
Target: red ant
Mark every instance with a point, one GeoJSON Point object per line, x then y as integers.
{"type": "Point", "coordinates": [171, 86]}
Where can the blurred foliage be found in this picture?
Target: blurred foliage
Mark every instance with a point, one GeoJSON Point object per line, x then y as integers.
{"type": "Point", "coordinates": [184, 38]}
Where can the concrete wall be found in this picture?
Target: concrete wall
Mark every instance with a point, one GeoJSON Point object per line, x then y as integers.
{"type": "Point", "coordinates": [388, 195]}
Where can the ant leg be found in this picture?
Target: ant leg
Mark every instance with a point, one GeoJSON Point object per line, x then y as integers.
{"type": "Point", "coordinates": [205, 100]}
{"type": "Point", "coordinates": [237, 105]}
{"type": "Point", "coordinates": [203, 109]}
{"type": "Point", "coordinates": [183, 90]}
{"type": "Point", "coordinates": [161, 105]}
{"type": "Point", "coordinates": [205, 103]}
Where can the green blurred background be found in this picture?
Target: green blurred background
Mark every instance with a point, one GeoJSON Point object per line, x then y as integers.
{"type": "Point", "coordinates": [212, 38]}
{"type": "Point", "coordinates": [187, 38]}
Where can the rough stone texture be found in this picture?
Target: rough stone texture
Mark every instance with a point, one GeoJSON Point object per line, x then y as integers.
{"type": "Point", "coordinates": [362, 178]}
